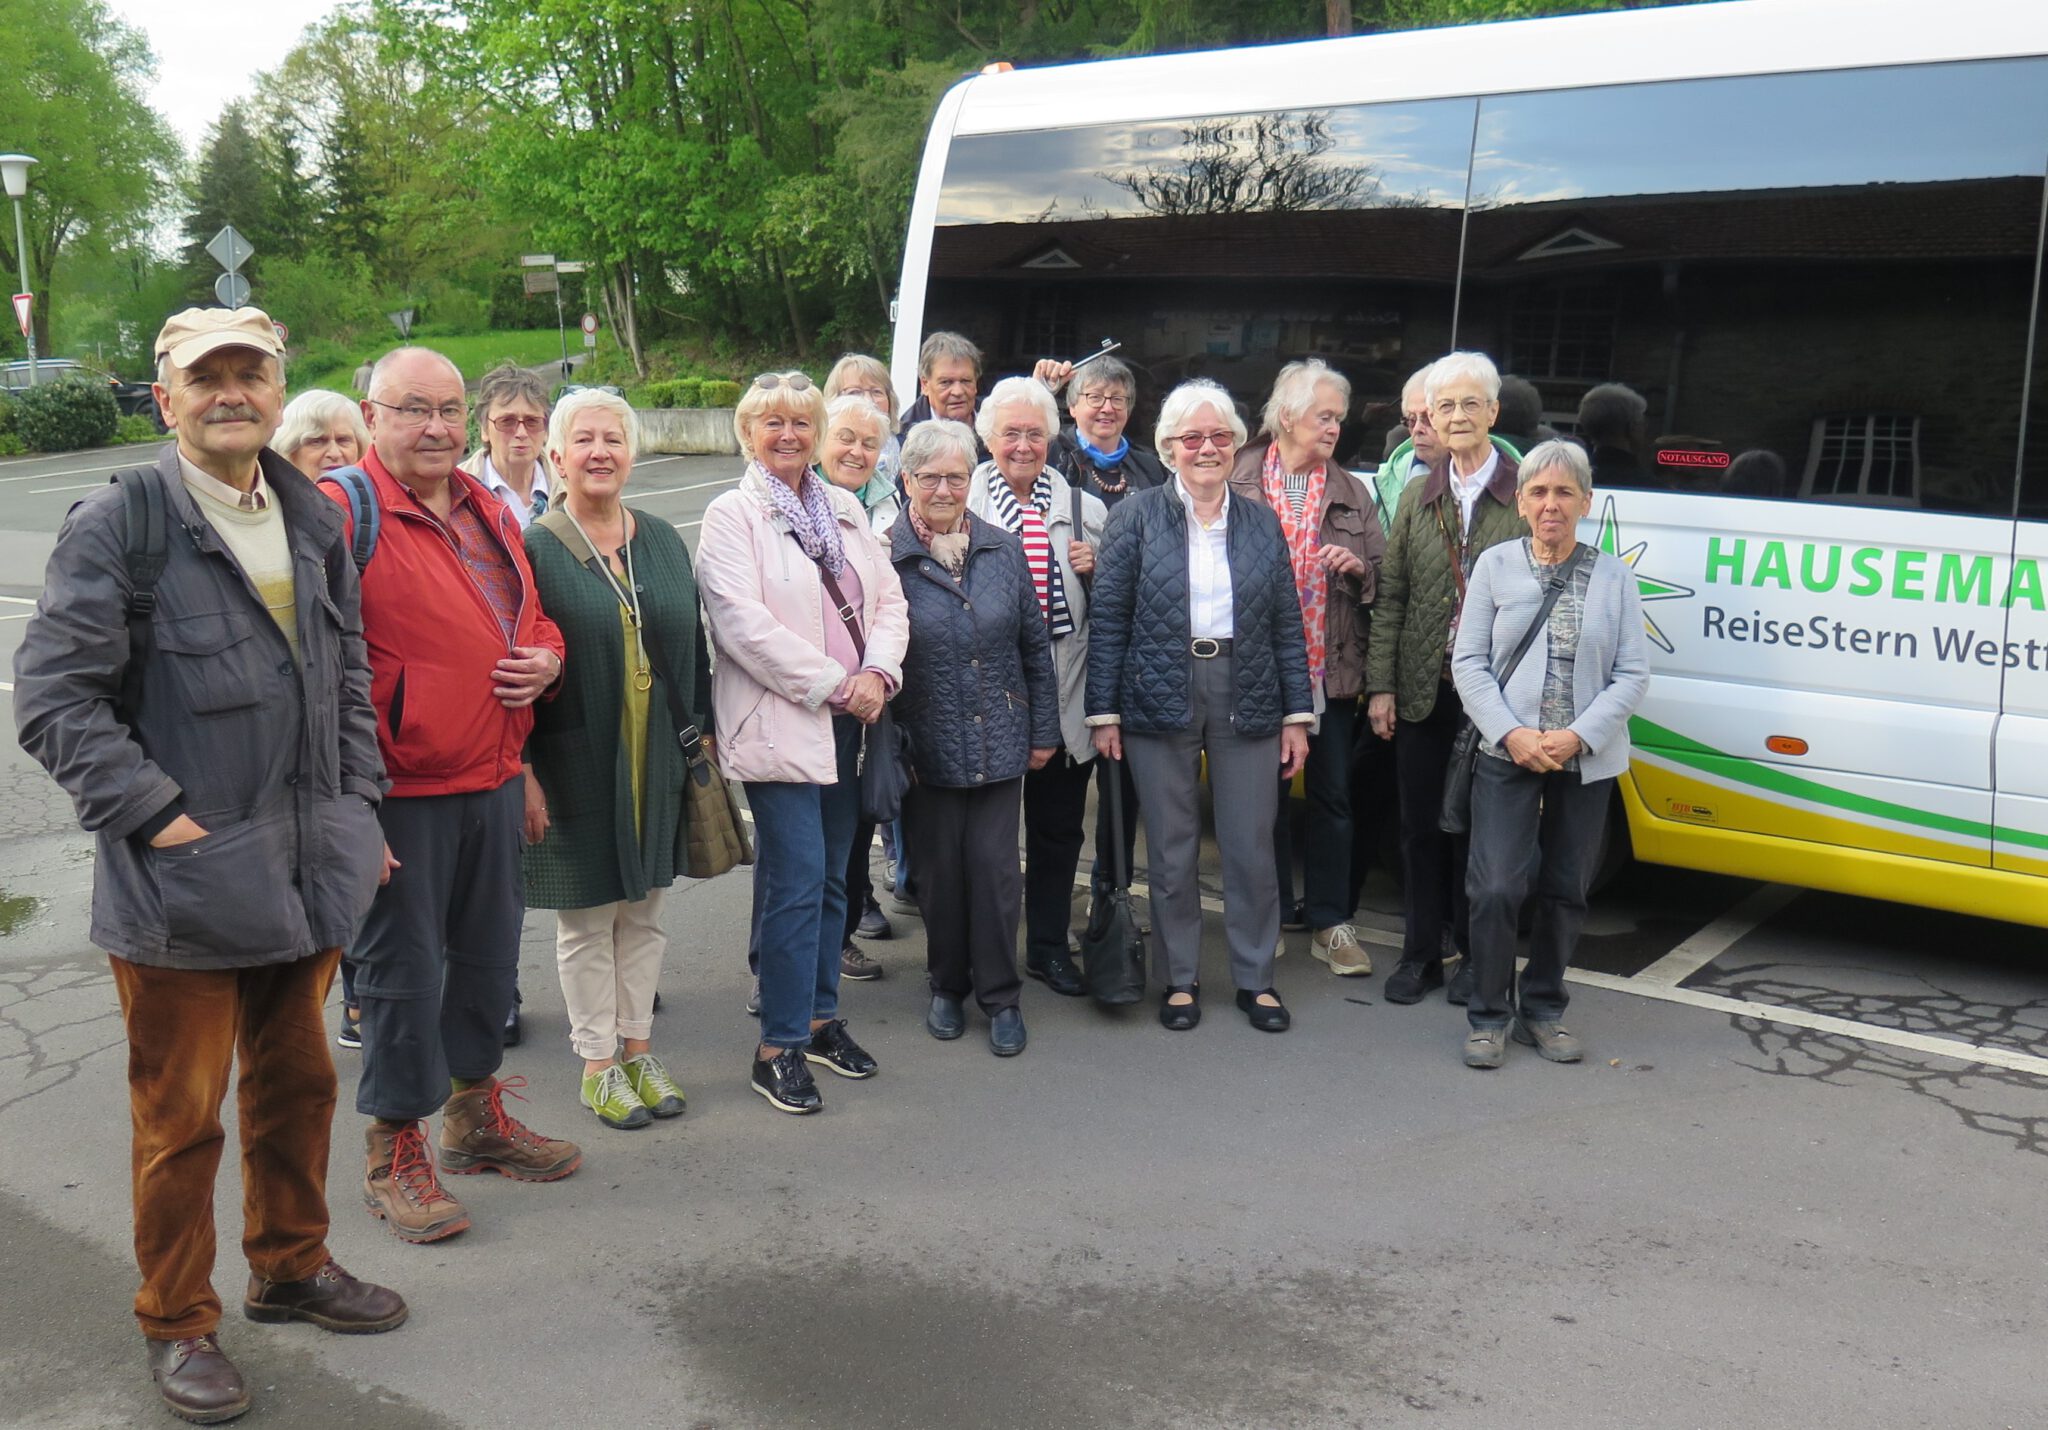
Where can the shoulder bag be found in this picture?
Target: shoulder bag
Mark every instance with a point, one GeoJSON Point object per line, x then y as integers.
{"type": "Point", "coordinates": [1455, 817]}
{"type": "Point", "coordinates": [1112, 949]}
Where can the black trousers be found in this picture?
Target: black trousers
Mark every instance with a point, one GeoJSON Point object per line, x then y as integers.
{"type": "Point", "coordinates": [860, 881]}
{"type": "Point", "coordinates": [1375, 808]}
{"type": "Point", "coordinates": [1103, 875]}
{"type": "Point", "coordinates": [1433, 884]}
{"type": "Point", "coordinates": [1055, 810]}
{"type": "Point", "coordinates": [971, 893]}
{"type": "Point", "coordinates": [1539, 831]}
{"type": "Point", "coordinates": [1327, 830]}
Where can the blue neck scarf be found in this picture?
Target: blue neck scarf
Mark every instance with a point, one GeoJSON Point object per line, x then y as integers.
{"type": "Point", "coordinates": [1105, 460]}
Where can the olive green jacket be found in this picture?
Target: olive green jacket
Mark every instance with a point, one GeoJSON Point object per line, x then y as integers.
{"type": "Point", "coordinates": [1411, 612]}
{"type": "Point", "coordinates": [589, 855]}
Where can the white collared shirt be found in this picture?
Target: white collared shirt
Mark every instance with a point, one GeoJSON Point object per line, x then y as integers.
{"type": "Point", "coordinates": [257, 498]}
{"type": "Point", "coordinates": [1209, 595]}
{"type": "Point", "coordinates": [522, 507]}
{"type": "Point", "coordinates": [1467, 489]}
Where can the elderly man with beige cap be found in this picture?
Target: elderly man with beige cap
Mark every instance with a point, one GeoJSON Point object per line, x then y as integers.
{"type": "Point", "coordinates": [195, 678]}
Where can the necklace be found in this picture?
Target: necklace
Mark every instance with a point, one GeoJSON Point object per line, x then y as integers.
{"type": "Point", "coordinates": [628, 594]}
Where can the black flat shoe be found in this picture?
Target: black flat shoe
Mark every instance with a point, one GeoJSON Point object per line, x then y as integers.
{"type": "Point", "coordinates": [1411, 983]}
{"type": "Point", "coordinates": [1266, 1018]}
{"type": "Point", "coordinates": [946, 1019]}
{"type": "Point", "coordinates": [1057, 973]}
{"type": "Point", "coordinates": [1179, 1017]}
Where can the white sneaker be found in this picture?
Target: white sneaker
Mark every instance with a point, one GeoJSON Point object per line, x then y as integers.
{"type": "Point", "coordinates": [1338, 947]}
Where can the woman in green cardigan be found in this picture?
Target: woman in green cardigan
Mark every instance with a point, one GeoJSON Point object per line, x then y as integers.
{"type": "Point", "coordinates": [604, 782]}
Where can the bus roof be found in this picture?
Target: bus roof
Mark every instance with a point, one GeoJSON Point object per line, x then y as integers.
{"type": "Point", "coordinates": [1736, 37]}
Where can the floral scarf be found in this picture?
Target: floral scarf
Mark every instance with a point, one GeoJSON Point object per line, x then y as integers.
{"type": "Point", "coordinates": [948, 548]}
{"type": "Point", "coordinates": [1303, 541]}
{"type": "Point", "coordinates": [809, 516]}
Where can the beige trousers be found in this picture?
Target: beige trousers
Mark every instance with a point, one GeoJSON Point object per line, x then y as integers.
{"type": "Point", "coordinates": [610, 959]}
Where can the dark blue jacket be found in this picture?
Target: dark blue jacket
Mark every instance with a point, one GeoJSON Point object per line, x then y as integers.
{"type": "Point", "coordinates": [1139, 666]}
{"type": "Point", "coordinates": [978, 692]}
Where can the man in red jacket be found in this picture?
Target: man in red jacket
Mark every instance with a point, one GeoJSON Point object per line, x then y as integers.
{"type": "Point", "coordinates": [459, 651]}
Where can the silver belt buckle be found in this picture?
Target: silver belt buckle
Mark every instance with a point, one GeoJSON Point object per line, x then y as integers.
{"type": "Point", "coordinates": [1205, 647]}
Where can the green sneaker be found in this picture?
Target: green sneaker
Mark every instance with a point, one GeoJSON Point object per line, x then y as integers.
{"type": "Point", "coordinates": [610, 1095]}
{"type": "Point", "coordinates": [654, 1087]}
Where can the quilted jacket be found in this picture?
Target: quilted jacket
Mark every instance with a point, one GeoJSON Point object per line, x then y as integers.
{"type": "Point", "coordinates": [1139, 666]}
{"type": "Point", "coordinates": [1411, 615]}
{"type": "Point", "coordinates": [978, 690]}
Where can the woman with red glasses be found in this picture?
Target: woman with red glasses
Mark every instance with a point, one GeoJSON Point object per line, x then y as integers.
{"type": "Point", "coordinates": [1197, 650]}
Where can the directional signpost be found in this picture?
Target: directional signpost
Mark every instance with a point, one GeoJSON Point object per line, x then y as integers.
{"type": "Point", "coordinates": [543, 275]}
{"type": "Point", "coordinates": [230, 250]}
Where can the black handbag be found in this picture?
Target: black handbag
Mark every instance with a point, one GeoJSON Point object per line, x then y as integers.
{"type": "Point", "coordinates": [1455, 817]}
{"type": "Point", "coordinates": [1112, 950]}
{"type": "Point", "coordinates": [885, 769]}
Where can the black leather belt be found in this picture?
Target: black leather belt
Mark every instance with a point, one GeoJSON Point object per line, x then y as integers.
{"type": "Point", "coordinates": [1208, 648]}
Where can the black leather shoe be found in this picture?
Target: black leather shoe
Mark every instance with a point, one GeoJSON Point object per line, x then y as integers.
{"type": "Point", "coordinates": [511, 1034]}
{"type": "Point", "coordinates": [874, 923]}
{"type": "Point", "coordinates": [1057, 973]}
{"type": "Point", "coordinates": [1181, 1016]}
{"type": "Point", "coordinates": [1410, 984]}
{"type": "Point", "coordinates": [1267, 1018]}
{"type": "Point", "coordinates": [1295, 918]}
{"type": "Point", "coordinates": [785, 1080]}
{"type": "Point", "coordinates": [833, 1047]}
{"type": "Point", "coordinates": [1464, 983]}
{"type": "Point", "coordinates": [197, 1380]}
{"type": "Point", "coordinates": [330, 1298]}
{"type": "Point", "coordinates": [1006, 1033]}
{"type": "Point", "coordinates": [946, 1019]}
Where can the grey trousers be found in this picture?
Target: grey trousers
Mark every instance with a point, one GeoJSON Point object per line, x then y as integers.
{"type": "Point", "coordinates": [1243, 781]}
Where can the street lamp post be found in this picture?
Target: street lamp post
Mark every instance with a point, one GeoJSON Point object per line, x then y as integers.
{"type": "Point", "coordinates": [14, 172]}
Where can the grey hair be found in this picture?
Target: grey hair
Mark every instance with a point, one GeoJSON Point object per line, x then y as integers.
{"type": "Point", "coordinates": [1417, 383]}
{"type": "Point", "coordinates": [1103, 372]}
{"type": "Point", "coordinates": [576, 403]}
{"type": "Point", "coordinates": [1185, 400]}
{"type": "Point", "coordinates": [310, 414]}
{"type": "Point", "coordinates": [1557, 455]}
{"type": "Point", "coordinates": [1294, 391]}
{"type": "Point", "coordinates": [1008, 393]}
{"type": "Point", "coordinates": [859, 365]}
{"type": "Point", "coordinates": [856, 405]}
{"type": "Point", "coordinates": [377, 369]}
{"type": "Point", "coordinates": [508, 383]}
{"type": "Point", "coordinates": [935, 437]}
{"type": "Point", "coordinates": [1611, 410]}
{"type": "Point", "coordinates": [1474, 367]}
{"type": "Point", "coordinates": [946, 347]}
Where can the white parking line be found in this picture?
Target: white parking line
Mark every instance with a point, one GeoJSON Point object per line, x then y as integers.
{"type": "Point", "coordinates": [19, 600]}
{"type": "Point", "coordinates": [70, 472]}
{"type": "Point", "coordinates": [79, 487]}
{"type": "Point", "coordinates": [1718, 937]}
{"type": "Point", "coordinates": [672, 491]}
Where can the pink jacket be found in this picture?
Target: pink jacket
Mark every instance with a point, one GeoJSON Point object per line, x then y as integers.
{"type": "Point", "coordinates": [765, 604]}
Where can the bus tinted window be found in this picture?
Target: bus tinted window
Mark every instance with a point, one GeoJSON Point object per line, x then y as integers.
{"type": "Point", "coordinates": [1818, 284]}
{"type": "Point", "coordinates": [1219, 247]}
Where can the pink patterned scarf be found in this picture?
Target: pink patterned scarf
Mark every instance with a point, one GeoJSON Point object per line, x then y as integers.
{"type": "Point", "coordinates": [1303, 542]}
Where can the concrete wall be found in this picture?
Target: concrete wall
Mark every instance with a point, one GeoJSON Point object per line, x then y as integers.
{"type": "Point", "coordinates": [693, 431]}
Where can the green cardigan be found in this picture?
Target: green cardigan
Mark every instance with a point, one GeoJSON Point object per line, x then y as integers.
{"type": "Point", "coordinates": [590, 855]}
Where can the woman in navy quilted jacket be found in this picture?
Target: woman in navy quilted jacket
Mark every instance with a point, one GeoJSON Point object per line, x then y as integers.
{"type": "Point", "coordinates": [1197, 650]}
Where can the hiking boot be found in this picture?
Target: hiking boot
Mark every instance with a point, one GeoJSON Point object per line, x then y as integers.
{"type": "Point", "coordinates": [330, 1298]}
{"type": "Point", "coordinates": [1338, 947]}
{"type": "Point", "coordinates": [610, 1095]}
{"type": "Point", "coordinates": [1550, 1039]}
{"type": "Point", "coordinates": [856, 966]}
{"type": "Point", "coordinates": [656, 1089]}
{"type": "Point", "coordinates": [479, 1135]}
{"type": "Point", "coordinates": [1486, 1047]}
{"type": "Point", "coordinates": [402, 1189]}
{"type": "Point", "coordinates": [197, 1380]}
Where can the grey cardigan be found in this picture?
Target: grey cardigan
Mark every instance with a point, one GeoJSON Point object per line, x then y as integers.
{"type": "Point", "coordinates": [1609, 675]}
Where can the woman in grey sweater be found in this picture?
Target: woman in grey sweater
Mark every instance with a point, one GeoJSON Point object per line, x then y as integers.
{"type": "Point", "coordinates": [1553, 739]}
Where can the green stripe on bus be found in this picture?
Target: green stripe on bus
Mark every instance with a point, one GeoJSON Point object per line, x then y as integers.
{"type": "Point", "coordinates": [1686, 751]}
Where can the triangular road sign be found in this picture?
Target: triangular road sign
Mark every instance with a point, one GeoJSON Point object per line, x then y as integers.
{"type": "Point", "coordinates": [24, 304]}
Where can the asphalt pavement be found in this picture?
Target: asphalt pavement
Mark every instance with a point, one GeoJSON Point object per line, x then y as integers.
{"type": "Point", "coordinates": [1797, 1181]}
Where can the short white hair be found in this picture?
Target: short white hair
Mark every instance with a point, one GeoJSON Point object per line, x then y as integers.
{"type": "Point", "coordinates": [1294, 392]}
{"type": "Point", "coordinates": [576, 403]}
{"type": "Point", "coordinates": [933, 436]}
{"type": "Point", "coordinates": [309, 415]}
{"type": "Point", "coordinates": [1008, 393]}
{"type": "Point", "coordinates": [858, 407]}
{"type": "Point", "coordinates": [1556, 455]}
{"type": "Point", "coordinates": [1189, 398]}
{"type": "Point", "coordinates": [1470, 367]}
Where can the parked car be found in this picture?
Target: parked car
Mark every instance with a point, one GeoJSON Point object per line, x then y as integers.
{"type": "Point", "coordinates": [133, 398]}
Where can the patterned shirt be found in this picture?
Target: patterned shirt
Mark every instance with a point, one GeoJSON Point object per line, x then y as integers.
{"type": "Point", "coordinates": [1561, 659]}
{"type": "Point", "coordinates": [485, 560]}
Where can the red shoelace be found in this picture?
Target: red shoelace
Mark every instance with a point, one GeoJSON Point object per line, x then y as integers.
{"type": "Point", "coordinates": [502, 1122]}
{"type": "Point", "coordinates": [412, 1167]}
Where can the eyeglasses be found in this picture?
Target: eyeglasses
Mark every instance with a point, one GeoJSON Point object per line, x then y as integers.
{"type": "Point", "coordinates": [415, 414]}
{"type": "Point", "coordinates": [931, 481]}
{"type": "Point", "coordinates": [1452, 406]}
{"type": "Point", "coordinates": [1196, 441]}
{"type": "Point", "coordinates": [1112, 400]}
{"type": "Point", "coordinates": [1415, 419]}
{"type": "Point", "coordinates": [795, 382]}
{"type": "Point", "coordinates": [506, 426]}
{"type": "Point", "coordinates": [1021, 434]}
{"type": "Point", "coordinates": [875, 395]}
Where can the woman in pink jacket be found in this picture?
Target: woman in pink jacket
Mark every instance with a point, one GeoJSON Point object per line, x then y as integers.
{"type": "Point", "coordinates": [809, 624]}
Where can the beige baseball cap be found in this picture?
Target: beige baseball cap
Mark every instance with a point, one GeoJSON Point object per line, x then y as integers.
{"type": "Point", "coordinates": [192, 334]}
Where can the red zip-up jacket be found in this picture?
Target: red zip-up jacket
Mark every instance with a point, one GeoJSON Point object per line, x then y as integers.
{"type": "Point", "coordinates": [434, 642]}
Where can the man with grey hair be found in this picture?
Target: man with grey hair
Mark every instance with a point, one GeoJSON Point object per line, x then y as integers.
{"type": "Point", "coordinates": [459, 651]}
{"type": "Point", "coordinates": [1612, 429]}
{"type": "Point", "coordinates": [948, 382]}
{"type": "Point", "coordinates": [195, 679]}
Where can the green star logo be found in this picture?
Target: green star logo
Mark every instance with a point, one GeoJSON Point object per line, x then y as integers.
{"type": "Point", "coordinates": [1653, 588]}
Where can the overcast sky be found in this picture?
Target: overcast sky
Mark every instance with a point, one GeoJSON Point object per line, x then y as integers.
{"type": "Point", "coordinates": [201, 66]}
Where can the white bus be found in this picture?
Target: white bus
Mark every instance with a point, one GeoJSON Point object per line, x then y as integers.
{"type": "Point", "coordinates": [1807, 232]}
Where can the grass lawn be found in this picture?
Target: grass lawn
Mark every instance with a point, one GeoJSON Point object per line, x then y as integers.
{"type": "Point", "coordinates": [474, 353]}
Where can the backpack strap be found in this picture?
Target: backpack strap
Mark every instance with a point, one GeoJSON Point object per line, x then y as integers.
{"type": "Point", "coordinates": [146, 550]}
{"type": "Point", "coordinates": [365, 516]}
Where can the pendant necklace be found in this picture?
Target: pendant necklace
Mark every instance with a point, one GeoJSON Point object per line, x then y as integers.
{"type": "Point", "coordinates": [628, 595]}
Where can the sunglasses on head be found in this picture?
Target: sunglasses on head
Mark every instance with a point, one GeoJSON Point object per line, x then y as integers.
{"type": "Point", "coordinates": [795, 382]}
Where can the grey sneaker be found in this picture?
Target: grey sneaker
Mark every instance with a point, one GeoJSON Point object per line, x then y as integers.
{"type": "Point", "coordinates": [754, 1000]}
{"type": "Point", "coordinates": [1552, 1040]}
{"type": "Point", "coordinates": [1486, 1047]}
{"type": "Point", "coordinates": [855, 964]}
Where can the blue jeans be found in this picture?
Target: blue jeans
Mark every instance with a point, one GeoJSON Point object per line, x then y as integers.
{"type": "Point", "coordinates": [802, 835]}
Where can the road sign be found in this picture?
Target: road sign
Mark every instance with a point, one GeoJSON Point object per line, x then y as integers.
{"type": "Point", "coordinates": [589, 325]}
{"type": "Point", "coordinates": [284, 334]}
{"type": "Point", "coordinates": [590, 340]}
{"type": "Point", "coordinates": [569, 267]}
{"type": "Point", "coordinates": [536, 260]}
{"type": "Point", "coordinates": [24, 305]}
{"type": "Point", "coordinates": [541, 280]}
{"type": "Point", "coordinates": [230, 250]}
{"type": "Point", "coordinates": [402, 320]}
{"type": "Point", "coordinates": [232, 289]}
